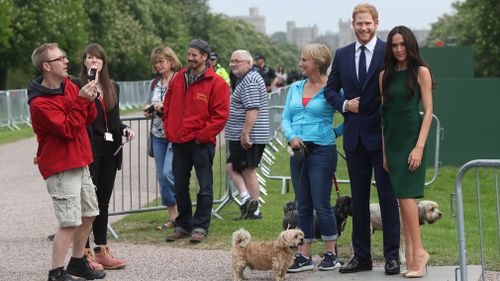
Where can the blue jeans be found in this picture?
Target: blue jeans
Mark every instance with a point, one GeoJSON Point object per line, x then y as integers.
{"type": "Point", "coordinates": [312, 183]}
{"type": "Point", "coordinates": [201, 156]}
{"type": "Point", "coordinates": [163, 154]}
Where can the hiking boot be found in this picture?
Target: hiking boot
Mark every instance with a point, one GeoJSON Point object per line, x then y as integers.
{"type": "Point", "coordinates": [81, 267]}
{"type": "Point", "coordinates": [301, 263]}
{"type": "Point", "coordinates": [59, 274]}
{"type": "Point", "coordinates": [329, 262]}
{"type": "Point", "coordinates": [104, 257]}
{"type": "Point", "coordinates": [91, 259]}
{"type": "Point", "coordinates": [197, 237]}
{"type": "Point", "coordinates": [176, 235]}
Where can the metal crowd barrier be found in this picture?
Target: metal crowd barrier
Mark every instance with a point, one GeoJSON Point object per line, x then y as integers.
{"type": "Point", "coordinates": [14, 109]}
{"type": "Point", "coordinates": [476, 164]}
{"type": "Point", "coordinates": [136, 189]}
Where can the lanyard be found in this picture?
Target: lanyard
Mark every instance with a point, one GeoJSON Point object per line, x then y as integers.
{"type": "Point", "coordinates": [103, 104]}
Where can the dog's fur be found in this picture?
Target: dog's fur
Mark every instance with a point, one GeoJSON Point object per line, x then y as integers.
{"type": "Point", "coordinates": [342, 211]}
{"type": "Point", "coordinates": [276, 256]}
{"type": "Point", "coordinates": [428, 212]}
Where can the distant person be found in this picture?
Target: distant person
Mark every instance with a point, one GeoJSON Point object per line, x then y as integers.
{"type": "Point", "coordinates": [195, 110]}
{"type": "Point", "coordinates": [105, 135]}
{"type": "Point", "coordinates": [247, 131]}
{"type": "Point", "coordinates": [60, 113]}
{"type": "Point", "coordinates": [307, 124]}
{"type": "Point", "coordinates": [281, 75]}
{"type": "Point", "coordinates": [355, 69]}
{"type": "Point", "coordinates": [267, 73]}
{"type": "Point", "coordinates": [218, 68]}
{"type": "Point", "coordinates": [406, 81]}
{"type": "Point", "coordinates": [165, 63]}
{"type": "Point", "coordinates": [293, 76]}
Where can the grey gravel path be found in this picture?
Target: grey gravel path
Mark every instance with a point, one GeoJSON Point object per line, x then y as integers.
{"type": "Point", "coordinates": [27, 218]}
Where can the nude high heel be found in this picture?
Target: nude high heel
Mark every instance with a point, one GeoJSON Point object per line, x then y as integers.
{"type": "Point", "coordinates": [404, 272]}
{"type": "Point", "coordinates": [419, 273]}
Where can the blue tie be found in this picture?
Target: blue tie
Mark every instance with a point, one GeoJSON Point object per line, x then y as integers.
{"type": "Point", "coordinates": [362, 66]}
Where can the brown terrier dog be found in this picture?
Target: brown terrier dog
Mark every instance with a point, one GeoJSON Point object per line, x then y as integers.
{"type": "Point", "coordinates": [276, 256]}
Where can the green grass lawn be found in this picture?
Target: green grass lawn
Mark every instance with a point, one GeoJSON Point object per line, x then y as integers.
{"type": "Point", "coordinates": [439, 239]}
{"type": "Point", "coordinates": [8, 135]}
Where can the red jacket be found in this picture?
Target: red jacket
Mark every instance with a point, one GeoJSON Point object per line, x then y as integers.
{"type": "Point", "coordinates": [198, 112]}
{"type": "Point", "coordinates": [59, 118]}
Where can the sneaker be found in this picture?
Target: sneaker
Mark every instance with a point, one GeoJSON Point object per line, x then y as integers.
{"type": "Point", "coordinates": [176, 235]}
{"type": "Point", "coordinates": [59, 274]}
{"type": "Point", "coordinates": [329, 262]}
{"type": "Point", "coordinates": [197, 237]}
{"type": "Point", "coordinates": [91, 259]}
{"type": "Point", "coordinates": [104, 257]}
{"type": "Point", "coordinates": [81, 268]}
{"type": "Point", "coordinates": [301, 263]}
{"type": "Point", "coordinates": [253, 216]}
{"type": "Point", "coordinates": [249, 207]}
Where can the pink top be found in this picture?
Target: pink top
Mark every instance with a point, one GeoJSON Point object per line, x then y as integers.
{"type": "Point", "coordinates": [305, 101]}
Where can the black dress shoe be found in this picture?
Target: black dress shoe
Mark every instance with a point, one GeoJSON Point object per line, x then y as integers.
{"type": "Point", "coordinates": [392, 267]}
{"type": "Point", "coordinates": [357, 264]}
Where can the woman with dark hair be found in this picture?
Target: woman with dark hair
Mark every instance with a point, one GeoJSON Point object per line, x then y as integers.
{"type": "Point", "coordinates": [164, 63]}
{"type": "Point", "coordinates": [405, 82]}
{"type": "Point", "coordinates": [105, 136]}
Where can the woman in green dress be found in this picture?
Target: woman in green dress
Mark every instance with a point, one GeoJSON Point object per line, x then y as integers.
{"type": "Point", "coordinates": [405, 82]}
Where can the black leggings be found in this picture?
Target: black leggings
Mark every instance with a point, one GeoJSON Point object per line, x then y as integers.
{"type": "Point", "coordinates": [103, 172]}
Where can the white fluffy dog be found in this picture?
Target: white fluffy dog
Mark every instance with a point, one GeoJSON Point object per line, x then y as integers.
{"type": "Point", "coordinates": [428, 212]}
{"type": "Point", "coordinates": [276, 256]}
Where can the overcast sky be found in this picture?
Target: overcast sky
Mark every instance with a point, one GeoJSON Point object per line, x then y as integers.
{"type": "Point", "coordinates": [416, 14]}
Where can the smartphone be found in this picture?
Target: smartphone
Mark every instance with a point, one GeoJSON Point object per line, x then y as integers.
{"type": "Point", "coordinates": [92, 74]}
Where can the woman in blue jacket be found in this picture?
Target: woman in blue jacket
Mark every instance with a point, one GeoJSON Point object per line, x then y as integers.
{"type": "Point", "coordinates": [307, 122]}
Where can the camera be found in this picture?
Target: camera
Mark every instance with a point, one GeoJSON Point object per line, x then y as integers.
{"type": "Point", "coordinates": [92, 74]}
{"type": "Point", "coordinates": [150, 109]}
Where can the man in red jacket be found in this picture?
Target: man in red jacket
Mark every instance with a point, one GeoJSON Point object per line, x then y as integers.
{"type": "Point", "coordinates": [60, 113]}
{"type": "Point", "coordinates": [196, 109]}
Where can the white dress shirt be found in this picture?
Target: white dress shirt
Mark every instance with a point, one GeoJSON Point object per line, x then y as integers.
{"type": "Point", "coordinates": [370, 48]}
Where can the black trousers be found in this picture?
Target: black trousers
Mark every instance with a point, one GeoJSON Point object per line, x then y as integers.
{"type": "Point", "coordinates": [103, 172]}
{"type": "Point", "coordinates": [361, 165]}
{"type": "Point", "coordinates": [199, 156]}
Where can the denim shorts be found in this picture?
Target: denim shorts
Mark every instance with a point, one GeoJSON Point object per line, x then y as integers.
{"type": "Point", "coordinates": [73, 195]}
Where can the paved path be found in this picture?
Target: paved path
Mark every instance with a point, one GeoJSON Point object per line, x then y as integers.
{"type": "Point", "coordinates": [27, 219]}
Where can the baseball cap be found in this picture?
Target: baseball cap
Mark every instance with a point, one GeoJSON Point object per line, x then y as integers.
{"type": "Point", "coordinates": [213, 55]}
{"type": "Point", "coordinates": [201, 45]}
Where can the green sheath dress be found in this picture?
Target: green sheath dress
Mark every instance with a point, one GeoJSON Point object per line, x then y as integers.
{"type": "Point", "coordinates": [401, 123]}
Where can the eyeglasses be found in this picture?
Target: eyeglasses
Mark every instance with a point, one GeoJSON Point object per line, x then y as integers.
{"type": "Point", "coordinates": [236, 61]}
{"type": "Point", "coordinates": [61, 59]}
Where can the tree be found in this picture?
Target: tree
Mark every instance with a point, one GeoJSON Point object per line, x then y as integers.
{"type": "Point", "coordinates": [474, 24]}
{"type": "Point", "coordinates": [39, 21]}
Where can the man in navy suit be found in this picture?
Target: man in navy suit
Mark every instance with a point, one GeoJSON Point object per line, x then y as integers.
{"type": "Point", "coordinates": [355, 69]}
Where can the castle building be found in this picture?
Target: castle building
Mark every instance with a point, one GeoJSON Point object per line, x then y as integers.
{"type": "Point", "coordinates": [258, 21]}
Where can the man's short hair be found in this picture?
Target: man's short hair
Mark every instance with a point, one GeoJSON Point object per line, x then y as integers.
{"type": "Point", "coordinates": [258, 57]}
{"type": "Point", "coordinates": [366, 8]}
{"type": "Point", "coordinates": [244, 55]}
{"type": "Point", "coordinates": [39, 55]}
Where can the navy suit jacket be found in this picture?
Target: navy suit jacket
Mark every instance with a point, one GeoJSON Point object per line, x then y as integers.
{"type": "Point", "coordinates": [363, 126]}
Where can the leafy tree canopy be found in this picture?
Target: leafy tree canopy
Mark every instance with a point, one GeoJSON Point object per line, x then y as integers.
{"type": "Point", "coordinates": [476, 24]}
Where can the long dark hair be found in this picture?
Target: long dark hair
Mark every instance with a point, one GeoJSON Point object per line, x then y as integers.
{"type": "Point", "coordinates": [413, 58]}
{"type": "Point", "coordinates": [108, 88]}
